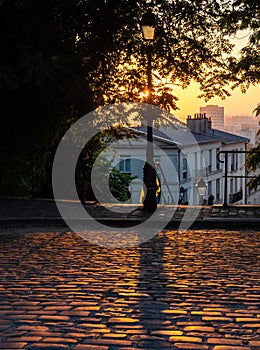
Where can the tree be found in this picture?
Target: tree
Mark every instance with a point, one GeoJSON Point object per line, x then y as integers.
{"type": "Point", "coordinates": [40, 72]}
{"type": "Point", "coordinates": [90, 53]}
{"type": "Point", "coordinates": [42, 89]}
{"type": "Point", "coordinates": [61, 59]}
{"type": "Point", "coordinates": [119, 185]}
{"type": "Point", "coordinates": [118, 181]}
{"type": "Point", "coordinates": [192, 43]}
{"type": "Point", "coordinates": [244, 15]}
{"type": "Point", "coordinates": [257, 110]}
{"type": "Point", "coordinates": [253, 159]}
{"type": "Point", "coordinates": [252, 163]}
{"type": "Point", "coordinates": [245, 70]}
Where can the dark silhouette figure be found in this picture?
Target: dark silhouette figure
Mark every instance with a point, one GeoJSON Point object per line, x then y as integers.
{"type": "Point", "coordinates": [211, 200]}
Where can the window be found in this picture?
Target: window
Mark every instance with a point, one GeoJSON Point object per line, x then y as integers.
{"type": "Point", "coordinates": [184, 168]}
{"type": "Point", "coordinates": [233, 166]}
{"type": "Point", "coordinates": [218, 189]}
{"type": "Point", "coordinates": [218, 163]}
{"type": "Point", "coordinates": [125, 165]}
{"type": "Point", "coordinates": [231, 186]}
{"type": "Point", "coordinates": [236, 159]}
{"type": "Point", "coordinates": [196, 161]}
{"type": "Point", "coordinates": [209, 168]}
{"type": "Point", "coordinates": [209, 188]}
{"type": "Point", "coordinates": [241, 159]}
{"type": "Point", "coordinates": [202, 160]}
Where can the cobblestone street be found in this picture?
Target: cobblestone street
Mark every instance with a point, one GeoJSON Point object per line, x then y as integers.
{"type": "Point", "coordinates": [191, 290]}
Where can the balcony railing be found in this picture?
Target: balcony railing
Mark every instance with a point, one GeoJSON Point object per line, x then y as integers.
{"type": "Point", "coordinates": [235, 197]}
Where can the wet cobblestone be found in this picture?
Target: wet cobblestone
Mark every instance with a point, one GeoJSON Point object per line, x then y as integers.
{"type": "Point", "coordinates": [190, 290]}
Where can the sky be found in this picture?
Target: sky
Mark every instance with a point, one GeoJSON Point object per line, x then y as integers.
{"type": "Point", "coordinates": [237, 104]}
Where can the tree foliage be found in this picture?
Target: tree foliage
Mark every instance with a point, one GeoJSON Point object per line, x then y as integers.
{"type": "Point", "coordinates": [83, 53]}
{"type": "Point", "coordinates": [245, 69]}
{"type": "Point", "coordinates": [191, 43]}
{"type": "Point", "coordinates": [252, 164]}
{"type": "Point", "coordinates": [257, 110]}
{"type": "Point", "coordinates": [253, 159]}
{"type": "Point", "coordinates": [61, 59]}
{"type": "Point", "coordinates": [40, 73]}
{"type": "Point", "coordinates": [119, 182]}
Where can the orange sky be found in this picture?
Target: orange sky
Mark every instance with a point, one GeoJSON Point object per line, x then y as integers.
{"type": "Point", "coordinates": [236, 104]}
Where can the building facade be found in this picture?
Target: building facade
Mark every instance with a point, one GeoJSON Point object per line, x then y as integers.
{"type": "Point", "coordinates": [182, 156]}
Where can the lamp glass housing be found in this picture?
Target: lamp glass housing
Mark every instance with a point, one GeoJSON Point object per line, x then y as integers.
{"type": "Point", "coordinates": [202, 190]}
{"type": "Point", "coordinates": [202, 187]}
{"type": "Point", "coordinates": [148, 32]}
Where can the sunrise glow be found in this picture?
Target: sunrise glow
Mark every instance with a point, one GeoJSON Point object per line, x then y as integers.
{"type": "Point", "coordinates": [236, 104]}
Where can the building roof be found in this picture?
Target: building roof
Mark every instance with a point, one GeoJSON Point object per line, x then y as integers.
{"type": "Point", "coordinates": [227, 137]}
{"type": "Point", "coordinates": [158, 134]}
{"type": "Point", "coordinates": [182, 136]}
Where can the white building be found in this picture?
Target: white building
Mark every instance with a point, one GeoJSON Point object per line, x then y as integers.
{"type": "Point", "coordinates": [183, 155]}
{"type": "Point", "coordinates": [216, 114]}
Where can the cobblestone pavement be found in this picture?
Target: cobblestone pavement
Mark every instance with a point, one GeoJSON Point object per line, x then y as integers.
{"type": "Point", "coordinates": [190, 290]}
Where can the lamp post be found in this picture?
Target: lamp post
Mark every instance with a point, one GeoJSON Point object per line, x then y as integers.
{"type": "Point", "coordinates": [202, 188]}
{"type": "Point", "coordinates": [148, 23]}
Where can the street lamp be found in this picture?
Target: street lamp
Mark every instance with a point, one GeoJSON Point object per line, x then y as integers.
{"type": "Point", "coordinates": [202, 188]}
{"type": "Point", "coordinates": [148, 23]}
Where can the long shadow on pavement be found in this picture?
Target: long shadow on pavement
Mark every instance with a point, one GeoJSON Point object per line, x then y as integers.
{"type": "Point", "coordinates": [154, 299]}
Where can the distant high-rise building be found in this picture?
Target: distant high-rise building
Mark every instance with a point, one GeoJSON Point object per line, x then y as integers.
{"type": "Point", "coordinates": [243, 125]}
{"type": "Point", "coordinates": [216, 114]}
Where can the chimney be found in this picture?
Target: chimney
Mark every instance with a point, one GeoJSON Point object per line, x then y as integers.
{"type": "Point", "coordinates": [199, 124]}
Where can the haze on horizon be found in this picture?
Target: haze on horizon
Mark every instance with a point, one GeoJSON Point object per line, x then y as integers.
{"type": "Point", "coordinates": [237, 104]}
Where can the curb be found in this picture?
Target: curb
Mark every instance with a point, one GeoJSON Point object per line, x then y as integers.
{"type": "Point", "coordinates": [205, 223]}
